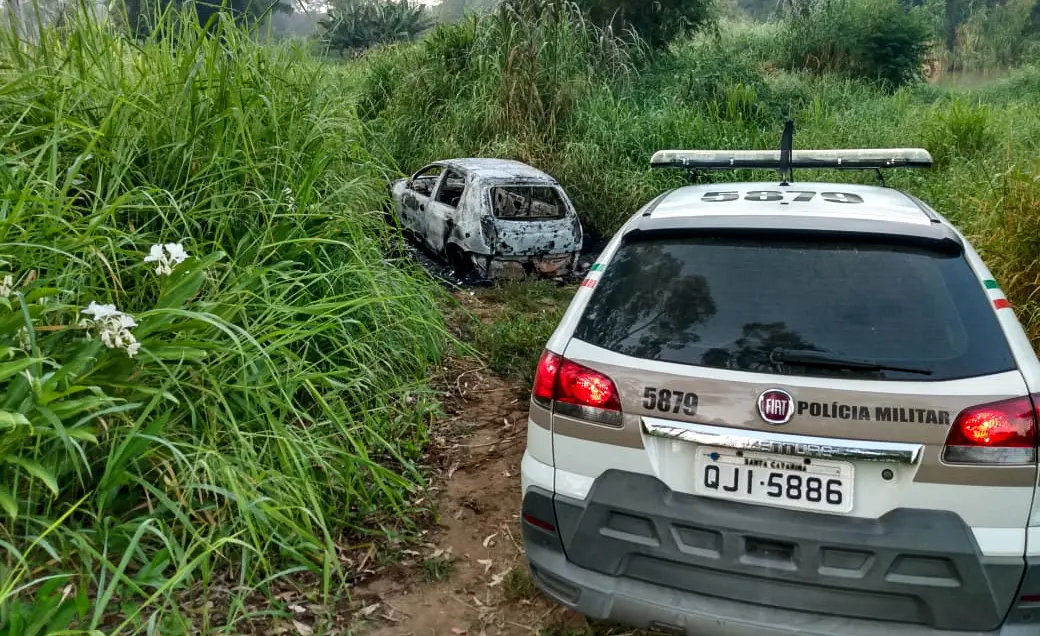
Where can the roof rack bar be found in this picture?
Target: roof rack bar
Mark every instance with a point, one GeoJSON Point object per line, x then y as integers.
{"type": "Point", "coordinates": [786, 146]}
{"type": "Point", "coordinates": [837, 159]}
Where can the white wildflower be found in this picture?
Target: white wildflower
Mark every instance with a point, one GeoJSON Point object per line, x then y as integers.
{"type": "Point", "coordinates": [177, 253]}
{"type": "Point", "coordinates": [23, 340]}
{"type": "Point", "coordinates": [166, 257]}
{"type": "Point", "coordinates": [111, 326]}
{"type": "Point", "coordinates": [132, 346]}
{"type": "Point", "coordinates": [6, 286]}
{"type": "Point", "coordinates": [100, 312]}
{"type": "Point", "coordinates": [290, 200]}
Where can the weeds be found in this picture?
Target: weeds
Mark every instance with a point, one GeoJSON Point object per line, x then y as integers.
{"type": "Point", "coordinates": [526, 315]}
{"type": "Point", "coordinates": [713, 90]}
{"type": "Point", "coordinates": [276, 399]}
{"type": "Point", "coordinates": [437, 569]}
{"type": "Point", "coordinates": [519, 586]}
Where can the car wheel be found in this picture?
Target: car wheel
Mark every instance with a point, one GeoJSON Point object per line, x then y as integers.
{"type": "Point", "coordinates": [460, 260]}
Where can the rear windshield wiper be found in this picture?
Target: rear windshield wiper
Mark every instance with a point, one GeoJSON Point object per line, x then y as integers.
{"type": "Point", "coordinates": [824, 359]}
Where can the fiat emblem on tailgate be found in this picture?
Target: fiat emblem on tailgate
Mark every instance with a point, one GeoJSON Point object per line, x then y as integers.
{"type": "Point", "coordinates": [776, 406]}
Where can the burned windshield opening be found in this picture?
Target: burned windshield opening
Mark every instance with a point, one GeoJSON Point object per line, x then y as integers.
{"type": "Point", "coordinates": [527, 203]}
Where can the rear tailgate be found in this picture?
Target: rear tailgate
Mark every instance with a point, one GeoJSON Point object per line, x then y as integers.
{"type": "Point", "coordinates": [532, 220]}
{"type": "Point", "coordinates": [689, 329]}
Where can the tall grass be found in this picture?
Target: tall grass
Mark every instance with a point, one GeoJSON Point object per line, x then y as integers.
{"type": "Point", "coordinates": [274, 414]}
{"type": "Point", "coordinates": [720, 89]}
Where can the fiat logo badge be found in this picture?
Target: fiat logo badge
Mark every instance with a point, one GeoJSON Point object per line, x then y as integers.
{"type": "Point", "coordinates": [776, 406]}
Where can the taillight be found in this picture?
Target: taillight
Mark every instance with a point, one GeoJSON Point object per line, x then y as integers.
{"type": "Point", "coordinates": [576, 391]}
{"type": "Point", "coordinates": [583, 386]}
{"type": "Point", "coordinates": [997, 433]}
{"type": "Point", "coordinates": [545, 378]}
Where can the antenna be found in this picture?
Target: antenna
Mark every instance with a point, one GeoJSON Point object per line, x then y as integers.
{"type": "Point", "coordinates": [786, 146]}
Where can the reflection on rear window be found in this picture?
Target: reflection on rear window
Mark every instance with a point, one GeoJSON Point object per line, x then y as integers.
{"type": "Point", "coordinates": [728, 302]}
{"type": "Point", "coordinates": [526, 202]}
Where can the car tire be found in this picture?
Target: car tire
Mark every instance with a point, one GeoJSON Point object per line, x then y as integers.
{"type": "Point", "coordinates": [461, 261]}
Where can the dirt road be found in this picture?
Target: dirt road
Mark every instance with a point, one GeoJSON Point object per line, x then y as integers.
{"type": "Point", "coordinates": [471, 578]}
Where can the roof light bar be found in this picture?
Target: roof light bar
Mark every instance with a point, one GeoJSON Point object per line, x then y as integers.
{"type": "Point", "coordinates": [839, 159]}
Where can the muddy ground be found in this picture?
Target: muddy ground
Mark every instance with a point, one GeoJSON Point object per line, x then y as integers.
{"type": "Point", "coordinates": [470, 578]}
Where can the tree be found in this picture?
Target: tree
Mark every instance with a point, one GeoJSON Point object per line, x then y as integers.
{"type": "Point", "coordinates": [141, 15]}
{"type": "Point", "coordinates": [355, 25]}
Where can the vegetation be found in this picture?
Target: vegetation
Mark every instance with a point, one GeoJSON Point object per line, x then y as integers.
{"type": "Point", "coordinates": [259, 407]}
{"type": "Point", "coordinates": [996, 35]}
{"type": "Point", "coordinates": [515, 335]}
{"type": "Point", "coordinates": [877, 40]}
{"type": "Point", "coordinates": [356, 25]}
{"type": "Point", "coordinates": [658, 23]}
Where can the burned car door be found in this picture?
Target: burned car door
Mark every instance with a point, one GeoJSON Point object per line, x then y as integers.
{"type": "Point", "coordinates": [441, 212]}
{"type": "Point", "coordinates": [416, 198]}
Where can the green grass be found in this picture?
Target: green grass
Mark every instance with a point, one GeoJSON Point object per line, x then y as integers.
{"type": "Point", "coordinates": [275, 414]}
{"type": "Point", "coordinates": [437, 569]}
{"type": "Point", "coordinates": [519, 586]}
{"type": "Point", "coordinates": [525, 316]}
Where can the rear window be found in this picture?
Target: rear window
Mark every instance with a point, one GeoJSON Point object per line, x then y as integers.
{"type": "Point", "coordinates": [527, 203]}
{"type": "Point", "coordinates": [729, 302]}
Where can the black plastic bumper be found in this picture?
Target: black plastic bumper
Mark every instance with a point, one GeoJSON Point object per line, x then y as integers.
{"type": "Point", "coordinates": [636, 552]}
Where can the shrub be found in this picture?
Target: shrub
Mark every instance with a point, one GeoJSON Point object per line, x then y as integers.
{"type": "Point", "coordinates": [658, 22]}
{"type": "Point", "coordinates": [997, 36]}
{"type": "Point", "coordinates": [356, 25]}
{"type": "Point", "coordinates": [521, 70]}
{"type": "Point", "coordinates": [877, 40]}
{"type": "Point", "coordinates": [958, 128]}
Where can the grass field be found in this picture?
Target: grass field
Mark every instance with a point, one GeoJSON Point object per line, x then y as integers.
{"type": "Point", "coordinates": [272, 418]}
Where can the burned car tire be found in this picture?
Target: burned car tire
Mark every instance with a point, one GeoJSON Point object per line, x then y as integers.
{"type": "Point", "coordinates": [461, 261]}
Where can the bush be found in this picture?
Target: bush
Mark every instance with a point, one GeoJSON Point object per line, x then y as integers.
{"type": "Point", "coordinates": [997, 36]}
{"type": "Point", "coordinates": [356, 25]}
{"type": "Point", "coordinates": [876, 40]}
{"type": "Point", "coordinates": [521, 70]}
{"type": "Point", "coordinates": [257, 404]}
{"type": "Point", "coordinates": [959, 128]}
{"type": "Point", "coordinates": [658, 22]}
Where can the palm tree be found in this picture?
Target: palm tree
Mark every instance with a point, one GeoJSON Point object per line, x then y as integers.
{"type": "Point", "coordinates": [355, 25]}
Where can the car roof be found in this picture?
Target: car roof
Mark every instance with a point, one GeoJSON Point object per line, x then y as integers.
{"type": "Point", "coordinates": [499, 169]}
{"type": "Point", "coordinates": [879, 203]}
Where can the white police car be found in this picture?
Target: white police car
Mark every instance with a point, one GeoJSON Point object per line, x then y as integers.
{"type": "Point", "coordinates": [794, 408]}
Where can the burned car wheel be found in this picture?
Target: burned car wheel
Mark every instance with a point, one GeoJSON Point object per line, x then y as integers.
{"type": "Point", "coordinates": [461, 261]}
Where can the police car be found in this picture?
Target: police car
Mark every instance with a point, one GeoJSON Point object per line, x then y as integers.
{"type": "Point", "coordinates": [788, 408]}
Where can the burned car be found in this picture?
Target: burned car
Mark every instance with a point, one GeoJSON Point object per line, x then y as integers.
{"type": "Point", "coordinates": [493, 217]}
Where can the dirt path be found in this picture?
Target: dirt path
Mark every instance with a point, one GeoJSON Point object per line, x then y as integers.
{"type": "Point", "coordinates": [471, 579]}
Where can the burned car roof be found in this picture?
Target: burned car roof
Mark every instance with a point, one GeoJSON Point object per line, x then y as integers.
{"type": "Point", "coordinates": [497, 169]}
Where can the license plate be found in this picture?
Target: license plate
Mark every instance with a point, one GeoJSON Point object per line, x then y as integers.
{"type": "Point", "coordinates": [764, 478]}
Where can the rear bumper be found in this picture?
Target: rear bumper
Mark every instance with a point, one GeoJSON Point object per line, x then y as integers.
{"type": "Point", "coordinates": [638, 553]}
{"type": "Point", "coordinates": [643, 605]}
{"type": "Point", "coordinates": [518, 267]}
